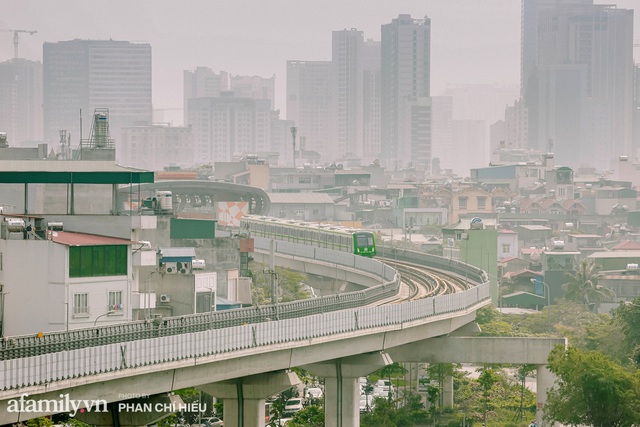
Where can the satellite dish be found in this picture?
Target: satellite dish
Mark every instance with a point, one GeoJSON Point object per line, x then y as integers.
{"type": "Point", "coordinates": [535, 256]}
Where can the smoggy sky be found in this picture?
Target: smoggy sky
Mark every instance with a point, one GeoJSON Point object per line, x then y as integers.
{"type": "Point", "coordinates": [473, 41]}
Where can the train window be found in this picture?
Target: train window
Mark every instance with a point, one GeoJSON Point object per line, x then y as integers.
{"type": "Point", "coordinates": [363, 240]}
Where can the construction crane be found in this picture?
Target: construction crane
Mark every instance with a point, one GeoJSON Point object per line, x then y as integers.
{"type": "Point", "coordinates": [16, 39]}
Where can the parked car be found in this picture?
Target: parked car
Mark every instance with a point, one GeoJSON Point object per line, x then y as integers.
{"type": "Point", "coordinates": [212, 422]}
{"type": "Point", "coordinates": [293, 405]}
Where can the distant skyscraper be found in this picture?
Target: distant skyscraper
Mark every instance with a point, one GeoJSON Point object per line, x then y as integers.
{"type": "Point", "coordinates": [577, 80]}
{"type": "Point", "coordinates": [636, 118]}
{"type": "Point", "coordinates": [405, 108]}
{"type": "Point", "coordinates": [21, 100]}
{"type": "Point", "coordinates": [311, 105]}
{"type": "Point", "coordinates": [227, 125]}
{"type": "Point", "coordinates": [154, 147]}
{"type": "Point", "coordinates": [442, 132]}
{"type": "Point", "coordinates": [89, 74]}
{"type": "Point", "coordinates": [255, 87]}
{"type": "Point", "coordinates": [347, 53]}
{"type": "Point", "coordinates": [371, 99]}
{"type": "Point", "coordinates": [203, 82]}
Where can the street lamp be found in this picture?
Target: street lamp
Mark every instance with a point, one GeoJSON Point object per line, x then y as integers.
{"type": "Point", "coordinates": [546, 289]}
{"type": "Point", "coordinates": [102, 315]}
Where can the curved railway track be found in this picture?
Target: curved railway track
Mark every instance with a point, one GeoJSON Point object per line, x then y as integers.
{"type": "Point", "coordinates": [419, 282]}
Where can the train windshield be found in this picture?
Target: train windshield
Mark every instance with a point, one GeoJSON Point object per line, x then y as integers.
{"type": "Point", "coordinates": [364, 239]}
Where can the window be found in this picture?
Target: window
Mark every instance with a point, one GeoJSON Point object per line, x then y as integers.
{"type": "Point", "coordinates": [482, 203]}
{"type": "Point", "coordinates": [463, 202]}
{"type": "Point", "coordinates": [115, 301]}
{"type": "Point", "coordinates": [81, 304]}
{"type": "Point", "coordinates": [91, 261]}
{"type": "Point", "coordinates": [506, 248]}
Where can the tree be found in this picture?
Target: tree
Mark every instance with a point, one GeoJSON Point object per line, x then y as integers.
{"type": "Point", "coordinates": [311, 416]}
{"type": "Point", "coordinates": [487, 379]}
{"type": "Point", "coordinates": [591, 390]}
{"type": "Point", "coordinates": [628, 317]}
{"type": "Point", "coordinates": [582, 286]}
{"type": "Point", "coordinates": [522, 372]}
{"type": "Point", "coordinates": [289, 282]}
{"type": "Point", "coordinates": [394, 369]}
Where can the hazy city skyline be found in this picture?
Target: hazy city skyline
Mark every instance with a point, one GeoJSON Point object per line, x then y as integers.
{"type": "Point", "coordinates": [472, 42]}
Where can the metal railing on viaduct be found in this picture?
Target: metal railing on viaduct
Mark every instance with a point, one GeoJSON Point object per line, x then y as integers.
{"type": "Point", "coordinates": [36, 360]}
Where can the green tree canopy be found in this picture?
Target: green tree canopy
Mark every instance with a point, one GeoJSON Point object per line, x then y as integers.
{"type": "Point", "coordinates": [582, 286]}
{"type": "Point", "coordinates": [591, 390]}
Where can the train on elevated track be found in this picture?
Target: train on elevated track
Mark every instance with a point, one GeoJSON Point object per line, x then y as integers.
{"type": "Point", "coordinates": [335, 237]}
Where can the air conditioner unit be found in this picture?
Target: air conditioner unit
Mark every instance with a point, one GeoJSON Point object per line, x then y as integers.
{"type": "Point", "coordinates": [171, 267]}
{"type": "Point", "coordinates": [183, 271]}
{"type": "Point", "coordinates": [165, 298]}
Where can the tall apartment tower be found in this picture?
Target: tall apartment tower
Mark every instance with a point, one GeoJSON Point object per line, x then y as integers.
{"type": "Point", "coordinates": [254, 87]}
{"type": "Point", "coordinates": [406, 106]}
{"type": "Point", "coordinates": [88, 74]}
{"type": "Point", "coordinates": [577, 80]}
{"type": "Point", "coordinates": [226, 125]}
{"type": "Point", "coordinates": [203, 82]}
{"type": "Point", "coordinates": [21, 100]}
{"type": "Point", "coordinates": [347, 53]}
{"type": "Point", "coordinates": [371, 81]}
{"type": "Point", "coordinates": [636, 119]}
{"type": "Point", "coordinates": [311, 105]}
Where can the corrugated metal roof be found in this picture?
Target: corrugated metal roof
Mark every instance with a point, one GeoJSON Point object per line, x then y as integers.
{"type": "Point", "coordinates": [51, 166]}
{"type": "Point", "coordinates": [615, 254]}
{"type": "Point", "coordinates": [76, 172]}
{"type": "Point", "coordinates": [301, 198]}
{"type": "Point", "coordinates": [534, 227]}
{"type": "Point", "coordinates": [81, 239]}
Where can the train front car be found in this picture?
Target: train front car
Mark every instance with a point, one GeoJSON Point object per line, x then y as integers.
{"type": "Point", "coordinates": [364, 243]}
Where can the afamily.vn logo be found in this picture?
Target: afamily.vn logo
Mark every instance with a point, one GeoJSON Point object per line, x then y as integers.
{"type": "Point", "coordinates": [53, 406]}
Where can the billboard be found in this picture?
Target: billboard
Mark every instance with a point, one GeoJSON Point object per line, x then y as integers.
{"type": "Point", "coordinates": [230, 213]}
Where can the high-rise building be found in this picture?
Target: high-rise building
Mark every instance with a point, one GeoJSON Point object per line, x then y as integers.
{"type": "Point", "coordinates": [21, 100]}
{"type": "Point", "coordinates": [636, 119]}
{"type": "Point", "coordinates": [311, 105]}
{"type": "Point", "coordinates": [442, 132]}
{"type": "Point", "coordinates": [255, 87]}
{"type": "Point", "coordinates": [405, 76]}
{"type": "Point", "coordinates": [529, 72]}
{"type": "Point", "coordinates": [155, 147]}
{"type": "Point", "coordinates": [227, 125]}
{"type": "Point", "coordinates": [203, 82]}
{"type": "Point", "coordinates": [371, 100]}
{"type": "Point", "coordinates": [347, 61]}
{"type": "Point", "coordinates": [577, 80]}
{"type": "Point", "coordinates": [89, 74]}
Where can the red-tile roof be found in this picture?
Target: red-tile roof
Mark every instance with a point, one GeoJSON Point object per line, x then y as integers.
{"type": "Point", "coordinates": [626, 245]}
{"type": "Point", "coordinates": [81, 239]}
